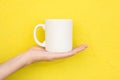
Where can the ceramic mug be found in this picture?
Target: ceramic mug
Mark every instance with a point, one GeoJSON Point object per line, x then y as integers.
{"type": "Point", "coordinates": [58, 35]}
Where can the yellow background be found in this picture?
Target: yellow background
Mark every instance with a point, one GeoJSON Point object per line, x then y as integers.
{"type": "Point", "coordinates": [96, 23]}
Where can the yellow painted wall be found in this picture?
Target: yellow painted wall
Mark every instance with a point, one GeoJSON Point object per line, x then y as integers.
{"type": "Point", "coordinates": [96, 23]}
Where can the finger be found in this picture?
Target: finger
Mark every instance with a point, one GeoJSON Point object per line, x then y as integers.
{"type": "Point", "coordinates": [78, 49]}
{"type": "Point", "coordinates": [64, 55]}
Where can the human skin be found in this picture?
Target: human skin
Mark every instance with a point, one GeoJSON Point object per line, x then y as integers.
{"type": "Point", "coordinates": [34, 54]}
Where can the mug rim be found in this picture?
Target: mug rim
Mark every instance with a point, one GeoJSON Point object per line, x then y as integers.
{"type": "Point", "coordinates": [58, 19]}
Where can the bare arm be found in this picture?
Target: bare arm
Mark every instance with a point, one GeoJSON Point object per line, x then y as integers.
{"type": "Point", "coordinates": [34, 54]}
{"type": "Point", "coordinates": [12, 65]}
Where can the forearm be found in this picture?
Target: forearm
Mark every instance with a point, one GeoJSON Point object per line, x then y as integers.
{"type": "Point", "coordinates": [12, 65]}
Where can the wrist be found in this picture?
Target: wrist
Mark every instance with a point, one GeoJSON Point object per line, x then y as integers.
{"type": "Point", "coordinates": [27, 58]}
{"type": "Point", "coordinates": [23, 59]}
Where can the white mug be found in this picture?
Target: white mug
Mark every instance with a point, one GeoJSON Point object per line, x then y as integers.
{"type": "Point", "coordinates": [58, 35]}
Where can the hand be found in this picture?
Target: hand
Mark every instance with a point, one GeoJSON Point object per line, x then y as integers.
{"type": "Point", "coordinates": [35, 54]}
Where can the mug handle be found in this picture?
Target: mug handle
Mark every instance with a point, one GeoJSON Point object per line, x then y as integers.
{"type": "Point", "coordinates": [35, 37]}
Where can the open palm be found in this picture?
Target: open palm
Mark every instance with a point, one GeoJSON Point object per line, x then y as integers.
{"type": "Point", "coordinates": [40, 54]}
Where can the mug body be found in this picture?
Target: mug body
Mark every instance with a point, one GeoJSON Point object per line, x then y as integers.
{"type": "Point", "coordinates": [58, 35]}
